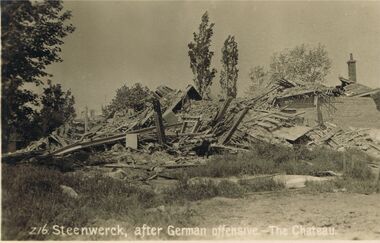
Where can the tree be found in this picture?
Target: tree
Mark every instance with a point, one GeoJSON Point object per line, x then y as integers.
{"type": "Point", "coordinates": [257, 75]}
{"type": "Point", "coordinates": [128, 98]}
{"type": "Point", "coordinates": [302, 64]}
{"type": "Point", "coordinates": [229, 73]}
{"type": "Point", "coordinates": [57, 108]}
{"type": "Point", "coordinates": [31, 35]}
{"type": "Point", "coordinates": [200, 57]}
{"type": "Point", "coordinates": [259, 78]}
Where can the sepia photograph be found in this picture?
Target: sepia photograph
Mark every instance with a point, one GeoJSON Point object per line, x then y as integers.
{"type": "Point", "coordinates": [190, 120]}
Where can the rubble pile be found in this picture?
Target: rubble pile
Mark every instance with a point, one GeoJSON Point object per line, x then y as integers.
{"type": "Point", "coordinates": [340, 139]}
{"type": "Point", "coordinates": [180, 129]}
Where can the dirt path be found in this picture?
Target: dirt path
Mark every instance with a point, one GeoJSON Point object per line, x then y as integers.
{"type": "Point", "coordinates": [353, 216]}
{"type": "Point", "coordinates": [350, 215]}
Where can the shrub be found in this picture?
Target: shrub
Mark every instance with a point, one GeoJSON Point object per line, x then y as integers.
{"type": "Point", "coordinates": [134, 97]}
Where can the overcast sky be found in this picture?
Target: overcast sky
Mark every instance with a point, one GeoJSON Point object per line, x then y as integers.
{"type": "Point", "coordinates": [127, 42]}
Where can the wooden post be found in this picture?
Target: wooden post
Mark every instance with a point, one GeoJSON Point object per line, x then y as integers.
{"type": "Point", "coordinates": [159, 123]}
{"type": "Point", "coordinates": [86, 119]}
{"type": "Point", "coordinates": [229, 134]}
{"type": "Point", "coordinates": [319, 111]}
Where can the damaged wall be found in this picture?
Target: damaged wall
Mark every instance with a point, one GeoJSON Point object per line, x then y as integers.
{"type": "Point", "coordinates": [357, 112]}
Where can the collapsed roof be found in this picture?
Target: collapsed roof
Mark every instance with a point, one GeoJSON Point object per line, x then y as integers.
{"type": "Point", "coordinates": [192, 126]}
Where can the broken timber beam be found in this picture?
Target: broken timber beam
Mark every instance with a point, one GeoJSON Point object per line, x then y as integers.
{"type": "Point", "coordinates": [317, 101]}
{"type": "Point", "coordinates": [106, 140]}
{"type": "Point", "coordinates": [232, 130]}
{"type": "Point", "coordinates": [222, 111]}
{"type": "Point", "coordinates": [158, 121]}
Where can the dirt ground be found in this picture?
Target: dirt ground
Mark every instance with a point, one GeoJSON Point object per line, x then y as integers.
{"type": "Point", "coordinates": [353, 216]}
{"type": "Point", "coordinates": [275, 216]}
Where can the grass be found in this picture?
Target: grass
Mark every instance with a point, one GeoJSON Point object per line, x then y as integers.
{"type": "Point", "coordinates": [204, 188]}
{"type": "Point", "coordinates": [207, 189]}
{"type": "Point", "coordinates": [269, 159]}
{"type": "Point", "coordinates": [31, 197]}
{"type": "Point", "coordinates": [357, 177]}
{"type": "Point", "coordinates": [344, 185]}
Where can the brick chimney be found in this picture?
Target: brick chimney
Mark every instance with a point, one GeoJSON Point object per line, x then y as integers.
{"type": "Point", "coordinates": [351, 68]}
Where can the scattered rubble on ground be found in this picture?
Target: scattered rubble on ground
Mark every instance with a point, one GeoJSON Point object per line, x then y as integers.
{"type": "Point", "coordinates": [181, 130]}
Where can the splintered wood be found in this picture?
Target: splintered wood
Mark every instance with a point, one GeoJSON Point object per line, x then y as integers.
{"type": "Point", "coordinates": [183, 125]}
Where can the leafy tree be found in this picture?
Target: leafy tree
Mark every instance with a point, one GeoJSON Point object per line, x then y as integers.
{"type": "Point", "coordinates": [229, 73]}
{"type": "Point", "coordinates": [257, 75]}
{"type": "Point", "coordinates": [259, 78]}
{"type": "Point", "coordinates": [200, 57]}
{"type": "Point", "coordinates": [57, 108]}
{"type": "Point", "coordinates": [128, 98]}
{"type": "Point", "coordinates": [301, 64]}
{"type": "Point", "coordinates": [31, 36]}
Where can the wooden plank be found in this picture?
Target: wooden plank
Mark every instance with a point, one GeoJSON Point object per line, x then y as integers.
{"type": "Point", "coordinates": [196, 126]}
{"type": "Point", "coordinates": [183, 128]}
{"type": "Point", "coordinates": [117, 137]}
{"type": "Point", "coordinates": [229, 134]}
{"type": "Point", "coordinates": [147, 117]}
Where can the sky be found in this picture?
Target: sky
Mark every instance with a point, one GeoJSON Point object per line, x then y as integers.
{"type": "Point", "coordinates": [125, 42]}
